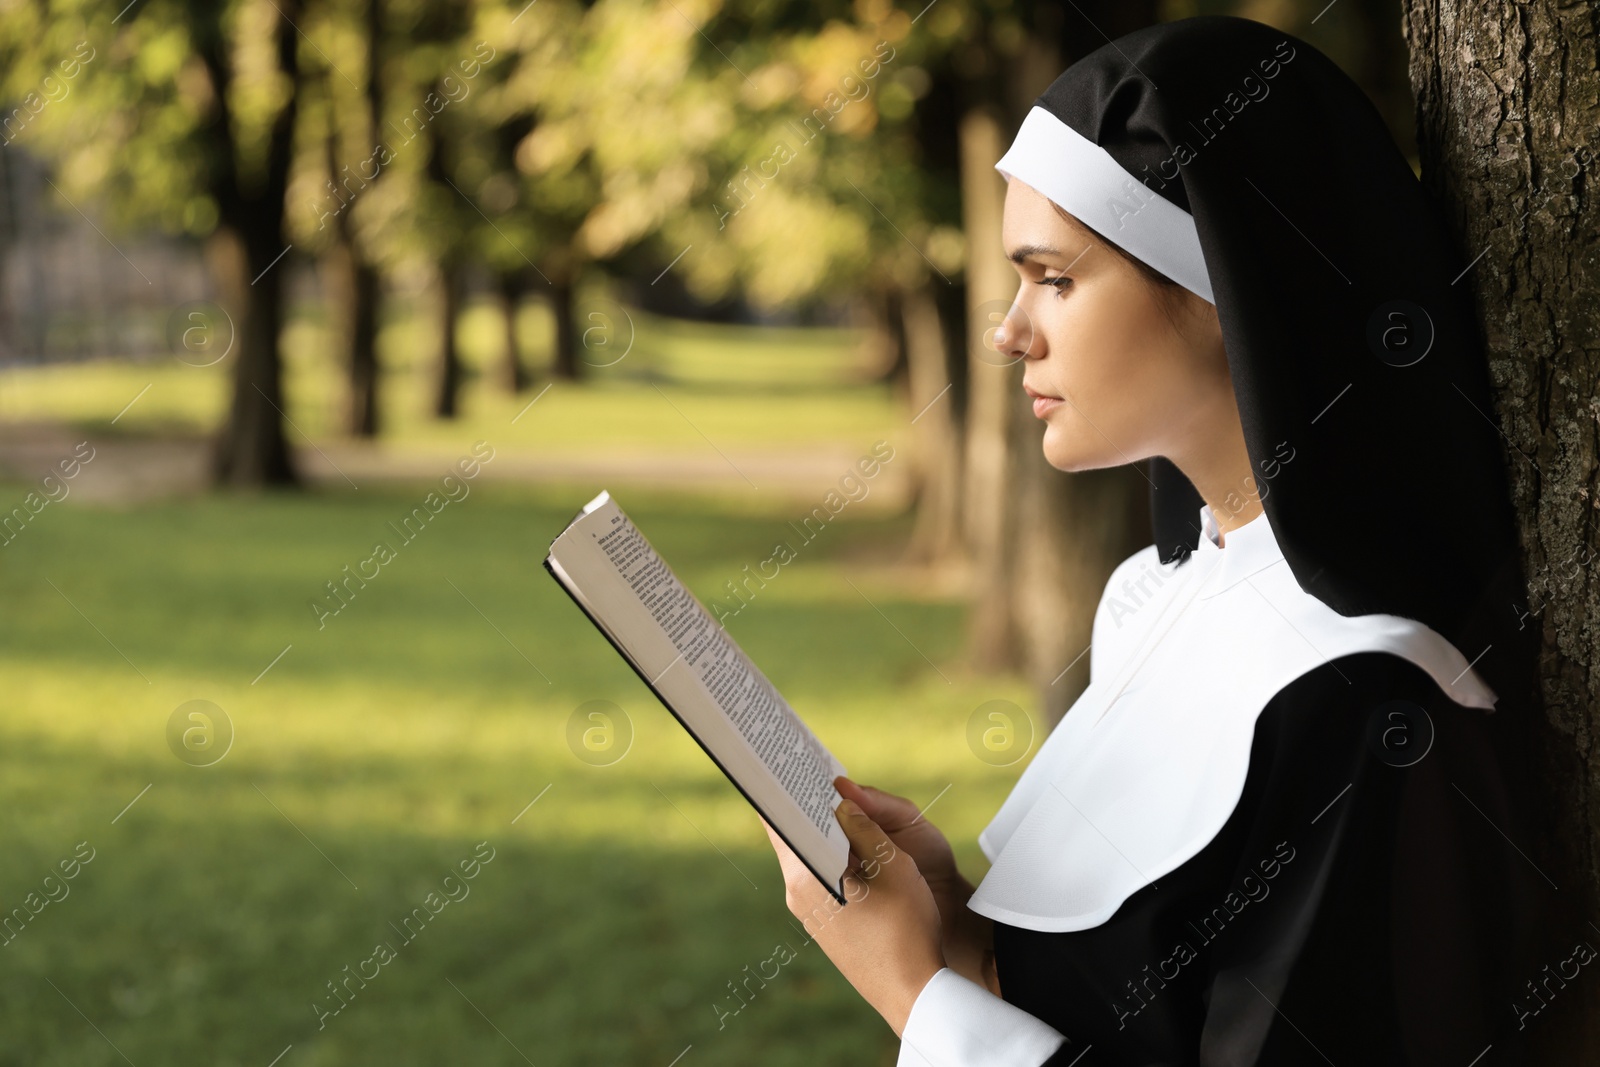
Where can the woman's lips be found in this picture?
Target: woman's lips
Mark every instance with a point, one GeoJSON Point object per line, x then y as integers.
{"type": "Point", "coordinates": [1042, 404]}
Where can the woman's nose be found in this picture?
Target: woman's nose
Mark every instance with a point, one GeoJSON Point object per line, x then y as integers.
{"type": "Point", "coordinates": [1014, 336]}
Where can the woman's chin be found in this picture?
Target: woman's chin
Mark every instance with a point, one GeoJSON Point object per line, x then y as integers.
{"type": "Point", "coordinates": [1072, 456]}
{"type": "Point", "coordinates": [1063, 459]}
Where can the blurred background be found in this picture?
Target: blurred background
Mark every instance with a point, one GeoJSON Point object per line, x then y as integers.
{"type": "Point", "coordinates": [276, 274]}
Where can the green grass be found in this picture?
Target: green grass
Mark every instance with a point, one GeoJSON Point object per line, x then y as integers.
{"type": "Point", "coordinates": [679, 386]}
{"type": "Point", "coordinates": [396, 738]}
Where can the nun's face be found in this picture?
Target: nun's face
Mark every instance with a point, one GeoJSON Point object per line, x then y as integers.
{"type": "Point", "coordinates": [1124, 380]}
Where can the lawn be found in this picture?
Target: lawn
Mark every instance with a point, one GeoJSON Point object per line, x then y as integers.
{"type": "Point", "coordinates": [734, 386]}
{"type": "Point", "coordinates": [378, 752]}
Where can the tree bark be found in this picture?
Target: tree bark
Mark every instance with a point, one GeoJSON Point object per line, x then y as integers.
{"type": "Point", "coordinates": [1074, 528]}
{"type": "Point", "coordinates": [366, 292]}
{"type": "Point", "coordinates": [1043, 542]}
{"type": "Point", "coordinates": [362, 417]}
{"type": "Point", "coordinates": [1508, 99]}
{"type": "Point", "coordinates": [1071, 529]}
{"type": "Point", "coordinates": [252, 449]}
{"type": "Point", "coordinates": [350, 292]}
{"type": "Point", "coordinates": [989, 486]}
{"type": "Point", "coordinates": [249, 250]}
{"type": "Point", "coordinates": [448, 383]}
{"type": "Point", "coordinates": [886, 343]}
{"type": "Point", "coordinates": [513, 371]}
{"type": "Point", "coordinates": [564, 358]}
{"type": "Point", "coordinates": [936, 533]}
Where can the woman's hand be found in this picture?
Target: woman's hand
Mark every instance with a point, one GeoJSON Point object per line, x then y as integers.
{"type": "Point", "coordinates": [886, 939]}
{"type": "Point", "coordinates": [902, 820]}
{"type": "Point", "coordinates": [967, 937]}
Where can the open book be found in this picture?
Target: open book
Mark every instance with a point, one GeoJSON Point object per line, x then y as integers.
{"type": "Point", "coordinates": [708, 683]}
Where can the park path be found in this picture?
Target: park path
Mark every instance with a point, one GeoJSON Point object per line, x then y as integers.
{"type": "Point", "coordinates": [131, 469]}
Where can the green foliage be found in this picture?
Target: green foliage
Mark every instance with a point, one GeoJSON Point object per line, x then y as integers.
{"type": "Point", "coordinates": [522, 136]}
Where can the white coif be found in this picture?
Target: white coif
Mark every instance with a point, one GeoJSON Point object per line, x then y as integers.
{"type": "Point", "coordinates": [1085, 181]}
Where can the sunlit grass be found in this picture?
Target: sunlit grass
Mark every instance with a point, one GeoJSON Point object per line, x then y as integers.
{"type": "Point", "coordinates": [381, 748]}
{"type": "Point", "coordinates": [680, 386]}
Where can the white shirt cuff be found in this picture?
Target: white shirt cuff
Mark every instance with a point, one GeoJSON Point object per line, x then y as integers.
{"type": "Point", "coordinates": [955, 1022]}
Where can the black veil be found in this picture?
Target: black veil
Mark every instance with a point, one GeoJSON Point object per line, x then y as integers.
{"type": "Point", "coordinates": [1349, 329]}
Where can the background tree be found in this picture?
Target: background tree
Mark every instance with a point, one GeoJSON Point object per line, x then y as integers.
{"type": "Point", "coordinates": [188, 124]}
{"type": "Point", "coordinates": [558, 67]}
{"type": "Point", "coordinates": [339, 163]}
{"type": "Point", "coordinates": [358, 288]}
{"type": "Point", "coordinates": [510, 230]}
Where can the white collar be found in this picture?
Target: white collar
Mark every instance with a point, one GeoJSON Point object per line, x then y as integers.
{"type": "Point", "coordinates": [1247, 549]}
{"type": "Point", "coordinates": [1147, 766]}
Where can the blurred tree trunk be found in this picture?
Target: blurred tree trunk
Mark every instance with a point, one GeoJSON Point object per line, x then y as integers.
{"type": "Point", "coordinates": [1068, 530]}
{"type": "Point", "coordinates": [513, 371]}
{"type": "Point", "coordinates": [936, 535]}
{"type": "Point", "coordinates": [366, 292]}
{"type": "Point", "coordinates": [365, 284]}
{"type": "Point", "coordinates": [350, 290]}
{"type": "Point", "coordinates": [251, 450]}
{"type": "Point", "coordinates": [564, 359]}
{"type": "Point", "coordinates": [1508, 101]}
{"type": "Point", "coordinates": [933, 318]}
{"type": "Point", "coordinates": [1043, 541]}
{"type": "Point", "coordinates": [886, 343]}
{"type": "Point", "coordinates": [247, 252]}
{"type": "Point", "coordinates": [988, 488]}
{"type": "Point", "coordinates": [448, 384]}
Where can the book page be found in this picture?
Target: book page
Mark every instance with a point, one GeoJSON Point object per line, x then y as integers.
{"type": "Point", "coordinates": [797, 760]}
{"type": "Point", "coordinates": [705, 679]}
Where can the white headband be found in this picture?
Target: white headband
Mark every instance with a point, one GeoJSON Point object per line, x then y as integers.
{"type": "Point", "coordinates": [1088, 183]}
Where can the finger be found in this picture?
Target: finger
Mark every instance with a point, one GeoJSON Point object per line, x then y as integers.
{"type": "Point", "coordinates": [888, 810]}
{"type": "Point", "coordinates": [857, 793]}
{"type": "Point", "coordinates": [878, 804]}
{"type": "Point", "coordinates": [867, 839]}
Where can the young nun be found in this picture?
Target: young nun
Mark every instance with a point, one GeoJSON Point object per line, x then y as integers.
{"type": "Point", "coordinates": [1279, 826]}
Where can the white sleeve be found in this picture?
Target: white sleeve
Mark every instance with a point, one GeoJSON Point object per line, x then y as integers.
{"type": "Point", "coordinates": [955, 1022]}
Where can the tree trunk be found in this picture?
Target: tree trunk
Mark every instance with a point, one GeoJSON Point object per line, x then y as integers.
{"type": "Point", "coordinates": [564, 359]}
{"type": "Point", "coordinates": [513, 372]}
{"type": "Point", "coordinates": [1071, 530]}
{"type": "Point", "coordinates": [1508, 99]}
{"type": "Point", "coordinates": [251, 450]}
{"type": "Point", "coordinates": [350, 292]}
{"type": "Point", "coordinates": [448, 383]}
{"type": "Point", "coordinates": [886, 344]}
{"type": "Point", "coordinates": [988, 486]}
{"type": "Point", "coordinates": [1042, 544]}
{"type": "Point", "coordinates": [936, 535]}
{"type": "Point", "coordinates": [361, 417]}
{"type": "Point", "coordinates": [366, 291]}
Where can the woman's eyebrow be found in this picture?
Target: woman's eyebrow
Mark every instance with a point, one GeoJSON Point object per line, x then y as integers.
{"type": "Point", "coordinates": [1017, 255]}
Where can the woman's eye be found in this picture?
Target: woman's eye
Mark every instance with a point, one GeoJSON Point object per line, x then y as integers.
{"type": "Point", "coordinates": [1057, 283]}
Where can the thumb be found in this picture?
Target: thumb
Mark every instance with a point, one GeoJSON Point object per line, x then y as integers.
{"type": "Point", "coordinates": [867, 840]}
{"type": "Point", "coordinates": [886, 809]}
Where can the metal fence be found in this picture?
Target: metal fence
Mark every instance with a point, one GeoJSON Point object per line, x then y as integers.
{"type": "Point", "coordinates": [71, 288]}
